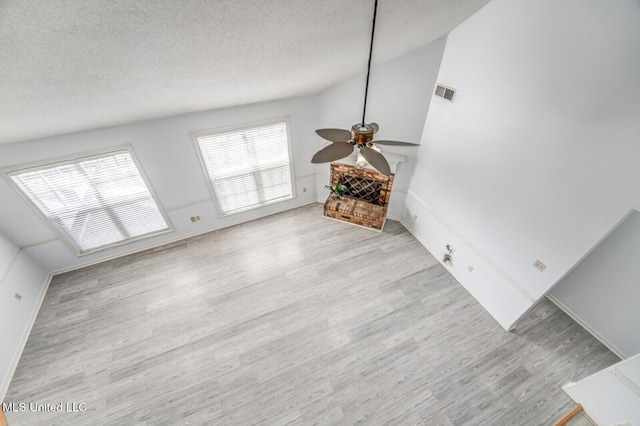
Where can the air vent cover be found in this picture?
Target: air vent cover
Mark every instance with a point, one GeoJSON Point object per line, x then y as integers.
{"type": "Point", "coordinates": [445, 92]}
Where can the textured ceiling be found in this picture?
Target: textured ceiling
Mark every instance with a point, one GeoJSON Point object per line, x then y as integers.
{"type": "Point", "coordinates": [72, 65]}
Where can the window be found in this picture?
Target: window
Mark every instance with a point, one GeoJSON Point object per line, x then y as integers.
{"type": "Point", "coordinates": [247, 167]}
{"type": "Point", "coordinates": [95, 201]}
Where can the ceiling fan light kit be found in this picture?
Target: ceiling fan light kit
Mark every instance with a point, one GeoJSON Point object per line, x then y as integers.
{"type": "Point", "coordinates": [361, 134]}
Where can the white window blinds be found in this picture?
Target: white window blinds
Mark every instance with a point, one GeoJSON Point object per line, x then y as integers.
{"type": "Point", "coordinates": [95, 201]}
{"type": "Point", "coordinates": [248, 167]}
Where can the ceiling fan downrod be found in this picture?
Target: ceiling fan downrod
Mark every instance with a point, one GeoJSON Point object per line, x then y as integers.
{"type": "Point", "coordinates": [366, 87]}
{"type": "Point", "coordinates": [361, 134]}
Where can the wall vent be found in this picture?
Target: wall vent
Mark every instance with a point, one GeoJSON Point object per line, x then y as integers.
{"type": "Point", "coordinates": [445, 92]}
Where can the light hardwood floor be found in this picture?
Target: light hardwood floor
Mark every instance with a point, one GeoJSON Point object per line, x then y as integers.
{"type": "Point", "coordinates": [292, 319]}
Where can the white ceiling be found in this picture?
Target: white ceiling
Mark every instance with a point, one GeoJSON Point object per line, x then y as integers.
{"type": "Point", "coordinates": [73, 65]}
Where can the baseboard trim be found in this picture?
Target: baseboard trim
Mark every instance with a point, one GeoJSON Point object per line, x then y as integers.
{"type": "Point", "coordinates": [613, 348]}
{"type": "Point", "coordinates": [6, 381]}
{"type": "Point", "coordinates": [7, 266]}
{"type": "Point", "coordinates": [182, 237]}
{"type": "Point", "coordinates": [4, 387]}
{"type": "Point", "coordinates": [507, 327]}
{"type": "Point", "coordinates": [512, 281]}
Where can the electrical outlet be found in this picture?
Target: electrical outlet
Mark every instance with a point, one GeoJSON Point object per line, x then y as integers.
{"type": "Point", "coordinates": [539, 265]}
{"type": "Point", "coordinates": [195, 218]}
{"type": "Point", "coordinates": [470, 268]}
{"type": "Point", "coordinates": [18, 296]}
{"type": "Point", "coordinates": [304, 189]}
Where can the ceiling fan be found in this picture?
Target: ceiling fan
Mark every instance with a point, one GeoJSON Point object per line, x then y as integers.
{"type": "Point", "coordinates": [361, 134]}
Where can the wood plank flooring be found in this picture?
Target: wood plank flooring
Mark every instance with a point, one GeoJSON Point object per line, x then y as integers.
{"type": "Point", "coordinates": [291, 319]}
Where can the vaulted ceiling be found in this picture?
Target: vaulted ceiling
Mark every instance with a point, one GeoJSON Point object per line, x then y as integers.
{"type": "Point", "coordinates": [68, 66]}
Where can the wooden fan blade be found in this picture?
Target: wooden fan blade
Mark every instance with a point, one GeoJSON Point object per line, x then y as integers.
{"type": "Point", "coordinates": [334, 135]}
{"type": "Point", "coordinates": [375, 127]}
{"type": "Point", "coordinates": [397, 143]}
{"type": "Point", "coordinates": [335, 151]}
{"type": "Point", "coordinates": [376, 159]}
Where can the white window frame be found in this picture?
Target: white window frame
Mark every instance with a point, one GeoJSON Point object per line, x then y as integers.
{"type": "Point", "coordinates": [73, 159]}
{"type": "Point", "coordinates": [235, 128]}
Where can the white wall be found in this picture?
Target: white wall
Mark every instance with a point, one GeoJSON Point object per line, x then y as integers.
{"type": "Point", "coordinates": [168, 158]}
{"type": "Point", "coordinates": [537, 158]}
{"type": "Point", "coordinates": [398, 100]}
{"type": "Point", "coordinates": [611, 396]}
{"type": "Point", "coordinates": [8, 252]}
{"type": "Point", "coordinates": [19, 274]}
{"type": "Point", "coordinates": [602, 292]}
{"type": "Point", "coordinates": [31, 250]}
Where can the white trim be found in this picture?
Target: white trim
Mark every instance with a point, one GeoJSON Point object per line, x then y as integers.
{"type": "Point", "coordinates": [9, 263]}
{"type": "Point", "coordinates": [187, 205]}
{"type": "Point", "coordinates": [306, 176]}
{"type": "Point", "coordinates": [229, 223]}
{"type": "Point", "coordinates": [507, 327]}
{"type": "Point", "coordinates": [515, 284]}
{"type": "Point", "coordinates": [588, 252]}
{"type": "Point", "coordinates": [238, 127]}
{"type": "Point", "coordinates": [6, 381]}
{"type": "Point", "coordinates": [167, 210]}
{"type": "Point", "coordinates": [613, 348]}
{"type": "Point", "coordinates": [176, 207]}
{"type": "Point", "coordinates": [399, 191]}
{"type": "Point", "coordinates": [568, 388]}
{"type": "Point", "coordinates": [568, 271]}
{"type": "Point", "coordinates": [38, 243]}
{"type": "Point", "coordinates": [72, 159]}
{"type": "Point", "coordinates": [625, 380]}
